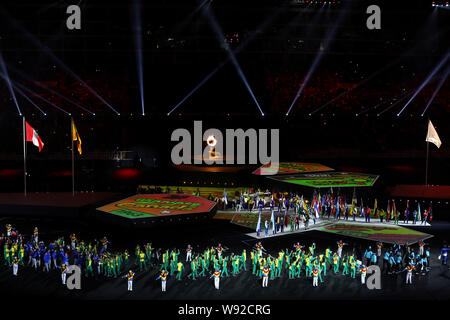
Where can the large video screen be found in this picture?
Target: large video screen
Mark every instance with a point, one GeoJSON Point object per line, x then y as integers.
{"type": "Point", "coordinates": [154, 205]}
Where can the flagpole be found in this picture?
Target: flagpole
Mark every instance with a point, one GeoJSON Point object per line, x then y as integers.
{"type": "Point", "coordinates": [73, 157]}
{"type": "Point", "coordinates": [24, 158]}
{"type": "Point", "coordinates": [426, 164]}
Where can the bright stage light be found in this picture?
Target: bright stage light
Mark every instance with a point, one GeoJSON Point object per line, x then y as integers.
{"type": "Point", "coordinates": [430, 21]}
{"type": "Point", "coordinates": [42, 85]}
{"type": "Point", "coordinates": [328, 38]}
{"type": "Point", "coordinates": [427, 80]}
{"type": "Point", "coordinates": [398, 100]}
{"type": "Point", "coordinates": [258, 30]}
{"type": "Point", "coordinates": [219, 33]}
{"type": "Point", "coordinates": [16, 84]}
{"type": "Point", "coordinates": [137, 24]}
{"type": "Point", "coordinates": [441, 83]}
{"type": "Point", "coordinates": [46, 50]}
{"type": "Point", "coordinates": [211, 141]}
{"type": "Point", "coordinates": [5, 76]}
{"type": "Point", "coordinates": [29, 100]}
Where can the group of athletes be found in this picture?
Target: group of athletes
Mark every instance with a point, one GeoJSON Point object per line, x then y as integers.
{"type": "Point", "coordinates": [97, 259]}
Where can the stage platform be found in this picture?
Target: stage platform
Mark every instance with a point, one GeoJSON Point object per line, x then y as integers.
{"type": "Point", "coordinates": [54, 204]}
{"type": "Point", "coordinates": [287, 230]}
{"type": "Point", "coordinates": [147, 210]}
{"type": "Point", "coordinates": [249, 219]}
{"type": "Point", "coordinates": [386, 232]}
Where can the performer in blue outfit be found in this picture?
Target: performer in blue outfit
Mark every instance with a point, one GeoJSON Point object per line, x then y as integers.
{"type": "Point", "coordinates": [443, 255]}
{"type": "Point", "coordinates": [47, 260]}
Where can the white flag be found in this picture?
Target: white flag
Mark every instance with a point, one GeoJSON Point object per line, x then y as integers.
{"type": "Point", "coordinates": [273, 221]}
{"type": "Point", "coordinates": [432, 135]}
{"type": "Point", "coordinates": [225, 196]}
{"type": "Point", "coordinates": [258, 226]}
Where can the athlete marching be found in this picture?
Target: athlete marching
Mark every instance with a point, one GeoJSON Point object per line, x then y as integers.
{"type": "Point", "coordinates": [163, 277]}
{"type": "Point", "coordinates": [129, 276]}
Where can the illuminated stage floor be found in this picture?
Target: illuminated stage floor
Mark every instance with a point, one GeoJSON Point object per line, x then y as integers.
{"type": "Point", "coordinates": [41, 285]}
{"type": "Point", "coordinates": [375, 231]}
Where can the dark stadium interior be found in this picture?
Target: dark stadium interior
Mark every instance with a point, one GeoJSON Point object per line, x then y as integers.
{"type": "Point", "coordinates": [180, 49]}
{"type": "Point", "coordinates": [347, 118]}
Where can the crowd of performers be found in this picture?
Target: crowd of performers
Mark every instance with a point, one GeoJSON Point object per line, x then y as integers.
{"type": "Point", "coordinates": [330, 206]}
{"type": "Point", "coordinates": [97, 259]}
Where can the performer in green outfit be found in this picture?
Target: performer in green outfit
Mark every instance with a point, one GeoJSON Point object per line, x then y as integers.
{"type": "Point", "coordinates": [224, 267]}
{"type": "Point", "coordinates": [142, 264]}
{"type": "Point", "coordinates": [89, 266]}
{"type": "Point", "coordinates": [193, 273]}
{"type": "Point", "coordinates": [345, 266]}
{"type": "Point", "coordinates": [292, 271]}
{"type": "Point", "coordinates": [180, 268]}
{"type": "Point", "coordinates": [244, 260]}
{"type": "Point", "coordinates": [353, 269]}
{"type": "Point", "coordinates": [312, 248]}
{"type": "Point", "coordinates": [328, 256]}
{"type": "Point", "coordinates": [336, 263]}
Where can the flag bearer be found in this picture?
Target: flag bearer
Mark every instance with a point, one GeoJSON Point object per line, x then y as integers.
{"type": "Point", "coordinates": [36, 234]}
{"type": "Point", "coordinates": [315, 274]}
{"type": "Point", "coordinates": [15, 265]}
{"type": "Point", "coordinates": [216, 276]}
{"type": "Point", "coordinates": [189, 253]}
{"type": "Point", "coordinates": [409, 269]}
{"type": "Point", "coordinates": [129, 276]}
{"type": "Point", "coordinates": [340, 245]}
{"type": "Point", "coordinates": [363, 270]}
{"type": "Point", "coordinates": [63, 273]}
{"type": "Point", "coordinates": [265, 276]}
{"type": "Point", "coordinates": [163, 277]}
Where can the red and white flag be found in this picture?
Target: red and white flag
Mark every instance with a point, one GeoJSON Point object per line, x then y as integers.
{"type": "Point", "coordinates": [32, 136]}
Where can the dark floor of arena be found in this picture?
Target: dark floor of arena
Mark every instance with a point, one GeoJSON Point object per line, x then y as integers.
{"type": "Point", "coordinates": [38, 284]}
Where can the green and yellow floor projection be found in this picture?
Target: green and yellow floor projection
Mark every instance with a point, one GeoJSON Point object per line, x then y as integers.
{"type": "Point", "coordinates": [329, 179]}
{"type": "Point", "coordinates": [291, 167]}
{"type": "Point", "coordinates": [383, 233]}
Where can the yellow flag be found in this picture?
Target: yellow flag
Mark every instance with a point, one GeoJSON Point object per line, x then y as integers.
{"type": "Point", "coordinates": [76, 137]}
